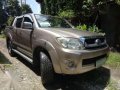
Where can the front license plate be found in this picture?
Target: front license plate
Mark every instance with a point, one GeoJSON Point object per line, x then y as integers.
{"type": "Point", "coordinates": [100, 62]}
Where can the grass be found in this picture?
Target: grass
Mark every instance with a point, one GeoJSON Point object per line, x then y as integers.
{"type": "Point", "coordinates": [2, 36]}
{"type": "Point", "coordinates": [113, 59]}
{"type": "Point", "coordinates": [112, 85]}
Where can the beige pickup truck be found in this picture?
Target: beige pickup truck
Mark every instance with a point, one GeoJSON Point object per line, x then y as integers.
{"type": "Point", "coordinates": [53, 45]}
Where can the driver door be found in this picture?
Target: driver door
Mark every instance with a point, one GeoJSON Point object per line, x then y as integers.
{"type": "Point", "coordinates": [26, 34]}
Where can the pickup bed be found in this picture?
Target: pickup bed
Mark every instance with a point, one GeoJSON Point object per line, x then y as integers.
{"type": "Point", "coordinates": [52, 45]}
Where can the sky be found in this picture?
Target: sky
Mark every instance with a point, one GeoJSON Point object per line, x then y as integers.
{"type": "Point", "coordinates": [34, 6]}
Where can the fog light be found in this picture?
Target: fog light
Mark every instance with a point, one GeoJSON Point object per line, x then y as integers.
{"type": "Point", "coordinates": [70, 64]}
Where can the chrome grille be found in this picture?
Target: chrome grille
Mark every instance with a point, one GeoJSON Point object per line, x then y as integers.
{"type": "Point", "coordinates": [94, 42]}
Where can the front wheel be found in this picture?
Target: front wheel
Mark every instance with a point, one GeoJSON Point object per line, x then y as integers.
{"type": "Point", "coordinates": [47, 72]}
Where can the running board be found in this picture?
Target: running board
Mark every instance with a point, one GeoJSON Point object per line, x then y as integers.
{"type": "Point", "coordinates": [24, 56]}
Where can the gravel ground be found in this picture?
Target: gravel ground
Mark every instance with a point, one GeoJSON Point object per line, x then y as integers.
{"type": "Point", "coordinates": [20, 75]}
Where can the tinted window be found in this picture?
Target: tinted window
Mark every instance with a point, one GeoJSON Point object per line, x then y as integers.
{"type": "Point", "coordinates": [26, 19]}
{"type": "Point", "coordinates": [49, 21]}
{"type": "Point", "coordinates": [19, 22]}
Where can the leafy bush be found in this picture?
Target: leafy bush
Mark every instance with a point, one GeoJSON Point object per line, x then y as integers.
{"type": "Point", "coordinates": [82, 27]}
{"type": "Point", "coordinates": [93, 28]}
{"type": "Point", "coordinates": [118, 2]}
{"type": "Point", "coordinates": [10, 20]}
{"type": "Point", "coordinates": [66, 14]}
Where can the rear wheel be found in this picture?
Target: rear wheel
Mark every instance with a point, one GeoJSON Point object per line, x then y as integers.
{"type": "Point", "coordinates": [47, 72]}
{"type": "Point", "coordinates": [10, 48]}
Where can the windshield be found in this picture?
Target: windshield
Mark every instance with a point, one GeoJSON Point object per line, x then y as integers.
{"type": "Point", "coordinates": [50, 21]}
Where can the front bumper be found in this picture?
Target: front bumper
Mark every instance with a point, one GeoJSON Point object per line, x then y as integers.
{"type": "Point", "coordinates": [80, 61]}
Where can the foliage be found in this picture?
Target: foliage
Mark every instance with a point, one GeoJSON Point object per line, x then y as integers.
{"type": "Point", "coordinates": [93, 28]}
{"type": "Point", "coordinates": [113, 59]}
{"type": "Point", "coordinates": [82, 27]}
{"type": "Point", "coordinates": [85, 11]}
{"type": "Point", "coordinates": [86, 8]}
{"type": "Point", "coordinates": [0, 11]}
{"type": "Point", "coordinates": [1, 14]}
{"type": "Point", "coordinates": [118, 2]}
{"type": "Point", "coordinates": [112, 85]}
{"type": "Point", "coordinates": [2, 35]}
{"type": "Point", "coordinates": [14, 8]}
{"type": "Point", "coordinates": [10, 20]}
{"type": "Point", "coordinates": [82, 8]}
{"type": "Point", "coordinates": [26, 9]}
{"type": "Point", "coordinates": [66, 14]}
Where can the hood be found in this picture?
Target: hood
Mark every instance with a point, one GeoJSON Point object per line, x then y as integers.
{"type": "Point", "coordinates": [70, 32]}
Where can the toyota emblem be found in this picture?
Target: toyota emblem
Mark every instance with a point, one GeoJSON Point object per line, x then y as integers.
{"type": "Point", "coordinates": [98, 41]}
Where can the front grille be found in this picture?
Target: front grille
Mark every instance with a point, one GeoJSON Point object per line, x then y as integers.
{"type": "Point", "coordinates": [94, 42]}
{"type": "Point", "coordinates": [92, 60]}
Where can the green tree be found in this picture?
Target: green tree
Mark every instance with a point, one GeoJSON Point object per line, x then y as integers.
{"type": "Point", "coordinates": [26, 9]}
{"type": "Point", "coordinates": [14, 8]}
{"type": "Point", "coordinates": [1, 20]}
{"type": "Point", "coordinates": [83, 8]}
{"type": "Point", "coordinates": [66, 14]}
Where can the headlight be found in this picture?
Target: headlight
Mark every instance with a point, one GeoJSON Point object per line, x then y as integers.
{"type": "Point", "coordinates": [70, 43]}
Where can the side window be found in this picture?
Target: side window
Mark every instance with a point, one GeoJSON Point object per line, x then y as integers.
{"type": "Point", "coordinates": [27, 19]}
{"type": "Point", "coordinates": [27, 23]}
{"type": "Point", "coordinates": [19, 22]}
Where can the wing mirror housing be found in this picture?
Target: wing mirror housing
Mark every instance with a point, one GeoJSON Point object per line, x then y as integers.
{"type": "Point", "coordinates": [27, 25]}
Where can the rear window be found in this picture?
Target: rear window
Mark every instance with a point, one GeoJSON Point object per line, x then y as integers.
{"type": "Point", "coordinates": [19, 22]}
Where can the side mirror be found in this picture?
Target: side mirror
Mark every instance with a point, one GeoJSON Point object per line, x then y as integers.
{"type": "Point", "coordinates": [27, 25]}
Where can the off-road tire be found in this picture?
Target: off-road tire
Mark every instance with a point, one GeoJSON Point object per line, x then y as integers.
{"type": "Point", "coordinates": [47, 72]}
{"type": "Point", "coordinates": [10, 48]}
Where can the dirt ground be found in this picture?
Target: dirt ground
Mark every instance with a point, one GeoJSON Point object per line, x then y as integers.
{"type": "Point", "coordinates": [18, 74]}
